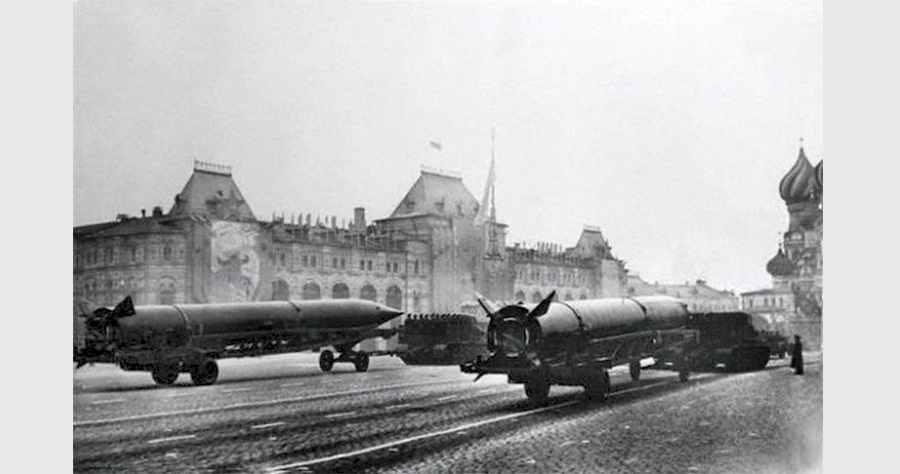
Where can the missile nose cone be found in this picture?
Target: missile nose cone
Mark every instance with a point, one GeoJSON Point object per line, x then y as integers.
{"type": "Point", "coordinates": [386, 313]}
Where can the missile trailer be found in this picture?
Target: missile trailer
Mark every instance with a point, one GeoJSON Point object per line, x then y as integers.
{"type": "Point", "coordinates": [166, 340]}
{"type": "Point", "coordinates": [576, 343]}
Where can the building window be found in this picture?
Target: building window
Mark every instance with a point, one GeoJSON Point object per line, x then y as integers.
{"type": "Point", "coordinates": [343, 264]}
{"type": "Point", "coordinates": [312, 261]}
{"type": "Point", "coordinates": [334, 262]}
{"type": "Point", "coordinates": [305, 261]}
{"type": "Point", "coordinates": [283, 260]}
{"type": "Point", "coordinates": [362, 265]}
{"type": "Point", "coordinates": [369, 265]}
{"type": "Point", "coordinates": [167, 253]}
{"type": "Point", "coordinates": [416, 267]}
{"type": "Point", "coordinates": [394, 298]}
{"type": "Point", "coordinates": [340, 291]}
{"type": "Point", "coordinates": [311, 291]}
{"type": "Point", "coordinates": [281, 291]}
{"type": "Point", "coordinates": [395, 267]}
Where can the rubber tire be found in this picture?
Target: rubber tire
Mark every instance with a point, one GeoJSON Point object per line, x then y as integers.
{"type": "Point", "coordinates": [164, 374]}
{"type": "Point", "coordinates": [205, 373]}
{"type": "Point", "coordinates": [597, 386]}
{"type": "Point", "coordinates": [537, 388]}
{"type": "Point", "coordinates": [634, 368]}
{"type": "Point", "coordinates": [326, 361]}
{"type": "Point", "coordinates": [361, 362]}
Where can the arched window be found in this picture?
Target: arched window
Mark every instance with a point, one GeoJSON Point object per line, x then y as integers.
{"type": "Point", "coordinates": [340, 291]}
{"type": "Point", "coordinates": [520, 295]}
{"type": "Point", "coordinates": [281, 291]}
{"type": "Point", "coordinates": [167, 253]}
{"type": "Point", "coordinates": [394, 297]}
{"type": "Point", "coordinates": [311, 291]}
{"type": "Point", "coordinates": [536, 297]}
{"type": "Point", "coordinates": [368, 293]}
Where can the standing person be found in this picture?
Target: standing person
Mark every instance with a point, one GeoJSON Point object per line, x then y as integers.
{"type": "Point", "coordinates": [797, 356]}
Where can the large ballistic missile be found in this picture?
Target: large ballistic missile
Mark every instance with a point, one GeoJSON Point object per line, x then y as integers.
{"type": "Point", "coordinates": [168, 339]}
{"type": "Point", "coordinates": [574, 343]}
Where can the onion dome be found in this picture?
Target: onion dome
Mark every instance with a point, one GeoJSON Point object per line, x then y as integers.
{"type": "Point", "coordinates": [780, 265]}
{"type": "Point", "coordinates": [794, 186]}
{"type": "Point", "coordinates": [817, 178]}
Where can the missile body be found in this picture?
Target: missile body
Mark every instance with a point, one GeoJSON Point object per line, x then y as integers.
{"type": "Point", "coordinates": [211, 327]}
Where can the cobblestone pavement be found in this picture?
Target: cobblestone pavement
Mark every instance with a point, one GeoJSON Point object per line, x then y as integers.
{"type": "Point", "coordinates": [281, 413]}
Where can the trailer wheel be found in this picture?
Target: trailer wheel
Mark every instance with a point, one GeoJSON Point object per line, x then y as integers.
{"type": "Point", "coordinates": [537, 388]}
{"type": "Point", "coordinates": [205, 373]}
{"type": "Point", "coordinates": [597, 386]}
{"type": "Point", "coordinates": [326, 361]}
{"type": "Point", "coordinates": [361, 362]}
{"type": "Point", "coordinates": [634, 368]}
{"type": "Point", "coordinates": [164, 374]}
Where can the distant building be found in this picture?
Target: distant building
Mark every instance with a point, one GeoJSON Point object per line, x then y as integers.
{"type": "Point", "coordinates": [699, 296]}
{"type": "Point", "coordinates": [794, 302]}
{"type": "Point", "coordinates": [430, 255]}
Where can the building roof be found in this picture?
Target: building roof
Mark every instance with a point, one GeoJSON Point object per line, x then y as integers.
{"type": "Point", "coordinates": [130, 226]}
{"type": "Point", "coordinates": [765, 291]}
{"type": "Point", "coordinates": [780, 265]}
{"type": "Point", "coordinates": [818, 178]}
{"type": "Point", "coordinates": [435, 193]}
{"type": "Point", "coordinates": [796, 185]}
{"type": "Point", "coordinates": [698, 289]}
{"type": "Point", "coordinates": [211, 192]}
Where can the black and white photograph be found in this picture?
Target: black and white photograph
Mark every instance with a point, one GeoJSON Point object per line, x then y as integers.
{"type": "Point", "coordinates": [447, 236]}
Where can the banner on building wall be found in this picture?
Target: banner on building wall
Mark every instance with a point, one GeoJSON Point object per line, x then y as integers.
{"type": "Point", "coordinates": [235, 261]}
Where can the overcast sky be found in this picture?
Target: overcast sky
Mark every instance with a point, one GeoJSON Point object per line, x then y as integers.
{"type": "Point", "coordinates": [666, 124]}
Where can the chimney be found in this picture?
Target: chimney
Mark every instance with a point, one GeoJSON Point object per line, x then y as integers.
{"type": "Point", "coordinates": [157, 211]}
{"type": "Point", "coordinates": [143, 213]}
{"type": "Point", "coordinates": [359, 218]}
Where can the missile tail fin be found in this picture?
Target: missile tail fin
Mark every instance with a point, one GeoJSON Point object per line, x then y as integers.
{"type": "Point", "coordinates": [543, 306]}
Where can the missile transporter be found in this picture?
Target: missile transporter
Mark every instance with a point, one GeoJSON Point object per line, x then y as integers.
{"type": "Point", "coordinates": [166, 340]}
{"type": "Point", "coordinates": [576, 343]}
{"type": "Point", "coordinates": [441, 339]}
